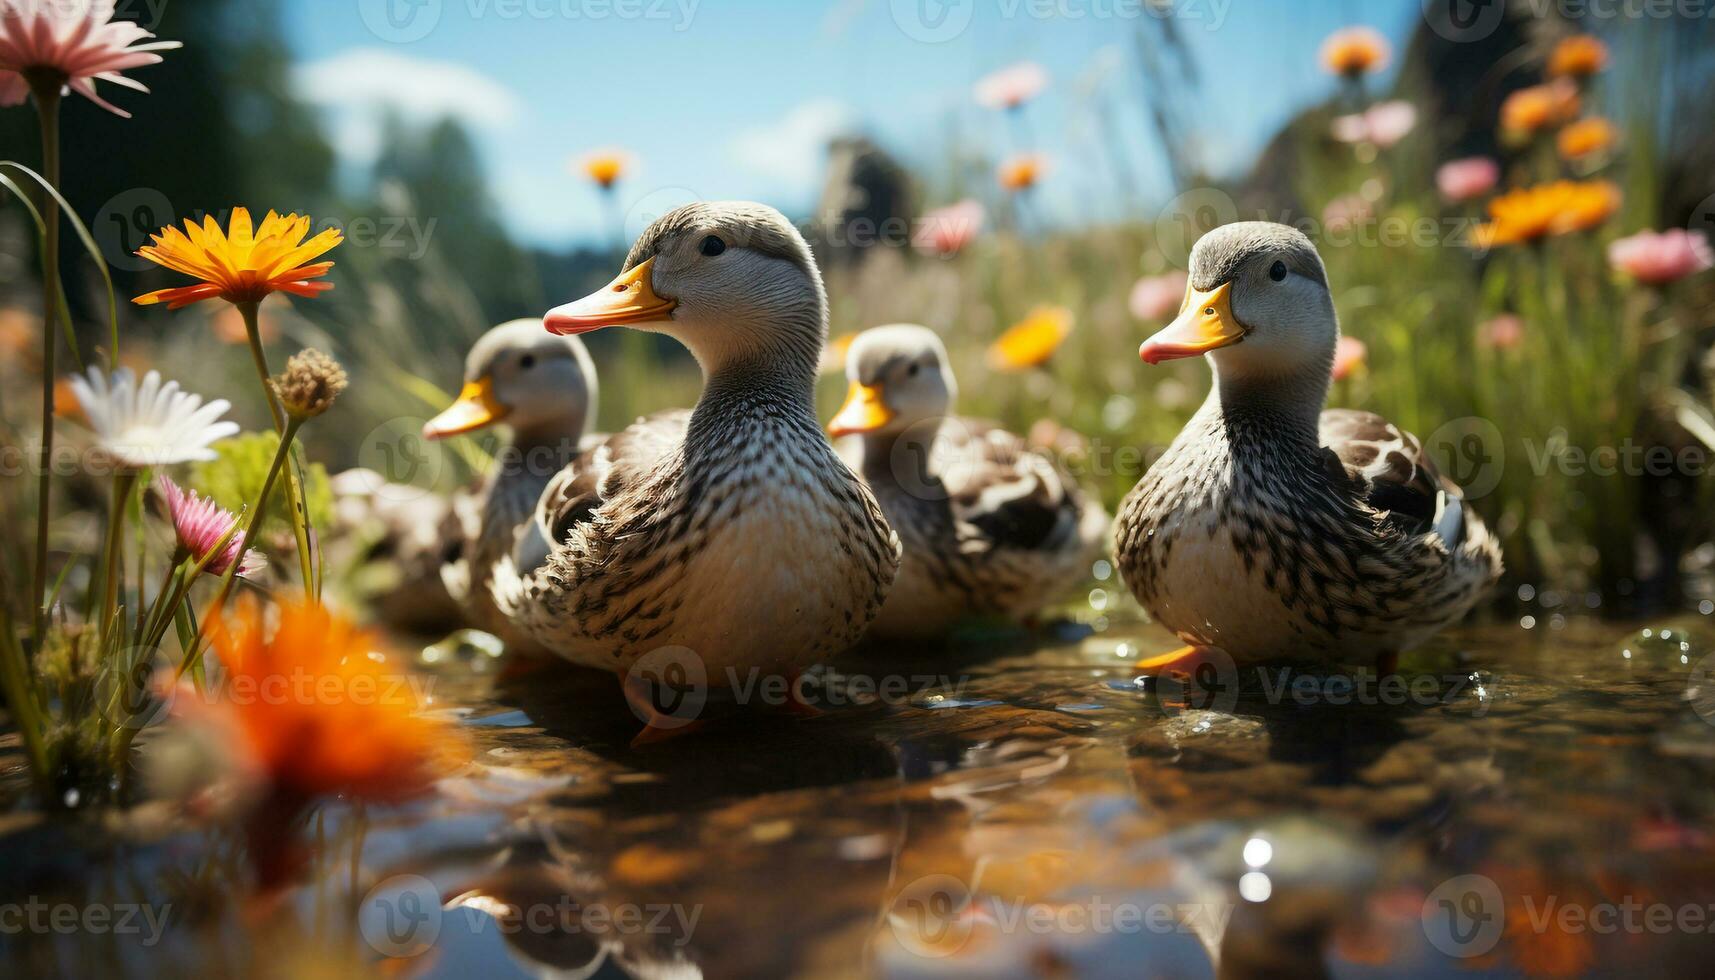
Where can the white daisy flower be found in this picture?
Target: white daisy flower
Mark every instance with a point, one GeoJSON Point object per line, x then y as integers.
{"type": "Point", "coordinates": [152, 424]}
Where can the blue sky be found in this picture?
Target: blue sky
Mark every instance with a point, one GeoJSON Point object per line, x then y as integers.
{"type": "Point", "coordinates": [732, 98]}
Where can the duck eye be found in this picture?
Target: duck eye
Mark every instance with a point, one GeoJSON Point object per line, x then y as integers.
{"type": "Point", "coordinates": [1277, 271]}
{"type": "Point", "coordinates": [712, 246]}
{"type": "Point", "coordinates": [527, 362]}
{"type": "Point", "coordinates": [912, 371]}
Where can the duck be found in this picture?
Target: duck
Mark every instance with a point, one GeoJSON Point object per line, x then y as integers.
{"type": "Point", "coordinates": [989, 529]}
{"type": "Point", "coordinates": [544, 389]}
{"type": "Point", "coordinates": [729, 539]}
{"type": "Point", "coordinates": [1272, 529]}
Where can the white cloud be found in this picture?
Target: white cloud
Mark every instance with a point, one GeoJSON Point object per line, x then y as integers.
{"type": "Point", "coordinates": [792, 150]}
{"type": "Point", "coordinates": [358, 85]}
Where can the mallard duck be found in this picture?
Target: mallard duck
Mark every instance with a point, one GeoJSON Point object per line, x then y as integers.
{"type": "Point", "coordinates": [543, 388]}
{"type": "Point", "coordinates": [733, 531]}
{"type": "Point", "coordinates": [1274, 529]}
{"type": "Point", "coordinates": [988, 528]}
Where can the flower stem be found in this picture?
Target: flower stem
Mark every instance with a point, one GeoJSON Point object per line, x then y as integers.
{"type": "Point", "coordinates": [123, 481]}
{"type": "Point", "coordinates": [47, 94]}
{"type": "Point", "coordinates": [255, 519]}
{"type": "Point", "coordinates": [294, 486]}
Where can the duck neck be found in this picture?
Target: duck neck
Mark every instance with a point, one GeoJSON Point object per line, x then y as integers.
{"type": "Point", "coordinates": [1283, 410]}
{"type": "Point", "coordinates": [898, 456]}
{"type": "Point", "coordinates": [539, 451]}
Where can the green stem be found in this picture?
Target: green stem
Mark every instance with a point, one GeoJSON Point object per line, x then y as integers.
{"type": "Point", "coordinates": [123, 481]}
{"type": "Point", "coordinates": [294, 486]}
{"type": "Point", "coordinates": [255, 519]}
{"type": "Point", "coordinates": [47, 94]}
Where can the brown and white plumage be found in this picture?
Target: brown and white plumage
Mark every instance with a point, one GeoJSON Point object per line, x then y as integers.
{"type": "Point", "coordinates": [987, 527]}
{"type": "Point", "coordinates": [1271, 528]}
{"type": "Point", "coordinates": [543, 388]}
{"type": "Point", "coordinates": [732, 530]}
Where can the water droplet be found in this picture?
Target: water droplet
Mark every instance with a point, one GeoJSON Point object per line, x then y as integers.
{"type": "Point", "coordinates": [1706, 607]}
{"type": "Point", "coordinates": [1254, 886]}
{"type": "Point", "coordinates": [1528, 622]}
{"type": "Point", "coordinates": [1101, 570]}
{"type": "Point", "coordinates": [1526, 592]}
{"type": "Point", "coordinates": [73, 797]}
{"type": "Point", "coordinates": [1258, 852]}
{"type": "Point", "coordinates": [1098, 599]}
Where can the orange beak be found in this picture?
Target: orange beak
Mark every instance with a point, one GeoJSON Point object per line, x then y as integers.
{"type": "Point", "coordinates": [627, 299]}
{"type": "Point", "coordinates": [1205, 323]}
{"type": "Point", "coordinates": [864, 411]}
{"type": "Point", "coordinates": [475, 409]}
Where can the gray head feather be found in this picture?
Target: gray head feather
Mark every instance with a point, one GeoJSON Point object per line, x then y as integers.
{"type": "Point", "coordinates": [1219, 255]}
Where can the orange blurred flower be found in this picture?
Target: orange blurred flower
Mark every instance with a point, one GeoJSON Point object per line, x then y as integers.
{"type": "Point", "coordinates": [1586, 137]}
{"type": "Point", "coordinates": [1579, 56]}
{"type": "Point", "coordinates": [1350, 356]}
{"type": "Point", "coordinates": [315, 711]}
{"type": "Point", "coordinates": [1355, 51]}
{"type": "Point", "coordinates": [1031, 341]}
{"type": "Point", "coordinates": [1530, 110]}
{"type": "Point", "coordinates": [605, 166]}
{"type": "Point", "coordinates": [1021, 172]}
{"type": "Point", "coordinates": [245, 263]}
{"type": "Point", "coordinates": [1530, 213]}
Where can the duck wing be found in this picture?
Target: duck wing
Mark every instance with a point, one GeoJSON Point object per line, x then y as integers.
{"type": "Point", "coordinates": [1008, 495]}
{"type": "Point", "coordinates": [601, 472]}
{"type": "Point", "coordinates": [1389, 469]}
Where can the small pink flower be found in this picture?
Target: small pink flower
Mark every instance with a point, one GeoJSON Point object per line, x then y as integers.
{"type": "Point", "coordinates": [947, 230]}
{"type": "Point", "coordinates": [1472, 177]}
{"type": "Point", "coordinates": [1012, 86]}
{"type": "Point", "coordinates": [1658, 258]}
{"type": "Point", "coordinates": [1349, 355]}
{"type": "Point", "coordinates": [1382, 124]}
{"type": "Point", "coordinates": [1502, 332]}
{"type": "Point", "coordinates": [78, 39]}
{"type": "Point", "coordinates": [1346, 211]}
{"type": "Point", "coordinates": [1156, 297]}
{"type": "Point", "coordinates": [199, 524]}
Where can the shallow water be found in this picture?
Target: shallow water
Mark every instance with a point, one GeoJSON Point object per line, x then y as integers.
{"type": "Point", "coordinates": [1534, 802]}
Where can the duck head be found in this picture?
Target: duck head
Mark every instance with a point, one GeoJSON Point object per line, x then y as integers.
{"type": "Point", "coordinates": [898, 377]}
{"type": "Point", "coordinates": [1257, 303]}
{"type": "Point", "coordinates": [733, 281]}
{"type": "Point", "coordinates": [540, 385]}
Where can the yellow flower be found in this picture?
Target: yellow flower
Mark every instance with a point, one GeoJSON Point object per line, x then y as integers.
{"type": "Point", "coordinates": [1020, 173]}
{"type": "Point", "coordinates": [1587, 136]}
{"type": "Point", "coordinates": [1031, 341]}
{"type": "Point", "coordinates": [1579, 56]}
{"type": "Point", "coordinates": [1531, 110]}
{"type": "Point", "coordinates": [244, 264]}
{"type": "Point", "coordinates": [604, 166]}
{"type": "Point", "coordinates": [1530, 213]}
{"type": "Point", "coordinates": [1354, 51]}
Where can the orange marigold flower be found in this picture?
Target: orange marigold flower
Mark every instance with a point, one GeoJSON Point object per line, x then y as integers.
{"type": "Point", "coordinates": [242, 265]}
{"type": "Point", "coordinates": [1530, 213]}
{"type": "Point", "coordinates": [316, 711]}
{"type": "Point", "coordinates": [1586, 137]}
{"type": "Point", "coordinates": [604, 166]}
{"type": "Point", "coordinates": [1578, 56]}
{"type": "Point", "coordinates": [1031, 341]}
{"type": "Point", "coordinates": [1355, 51]}
{"type": "Point", "coordinates": [1531, 110]}
{"type": "Point", "coordinates": [1020, 173]}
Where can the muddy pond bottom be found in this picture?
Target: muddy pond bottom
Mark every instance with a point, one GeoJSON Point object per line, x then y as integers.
{"type": "Point", "coordinates": [1517, 802]}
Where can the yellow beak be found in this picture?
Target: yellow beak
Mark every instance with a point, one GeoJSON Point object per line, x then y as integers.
{"type": "Point", "coordinates": [476, 408]}
{"type": "Point", "coordinates": [1205, 322]}
{"type": "Point", "coordinates": [864, 411]}
{"type": "Point", "coordinates": [627, 299]}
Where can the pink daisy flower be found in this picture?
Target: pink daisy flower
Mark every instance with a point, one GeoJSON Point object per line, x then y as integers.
{"type": "Point", "coordinates": [1660, 257]}
{"type": "Point", "coordinates": [1501, 332]}
{"type": "Point", "coordinates": [199, 524]}
{"type": "Point", "coordinates": [1462, 180]}
{"type": "Point", "coordinates": [947, 230]}
{"type": "Point", "coordinates": [1157, 297]}
{"type": "Point", "coordinates": [77, 40]}
{"type": "Point", "coordinates": [1349, 355]}
{"type": "Point", "coordinates": [1012, 86]}
{"type": "Point", "coordinates": [1382, 124]}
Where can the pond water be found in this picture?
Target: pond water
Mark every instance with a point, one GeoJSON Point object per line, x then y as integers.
{"type": "Point", "coordinates": [1533, 802]}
